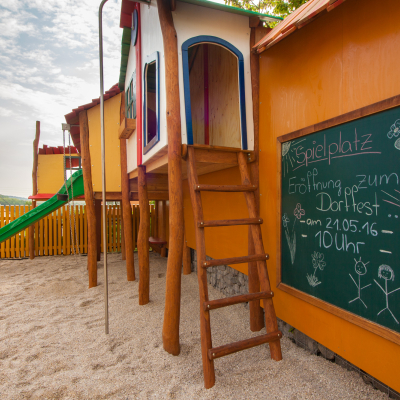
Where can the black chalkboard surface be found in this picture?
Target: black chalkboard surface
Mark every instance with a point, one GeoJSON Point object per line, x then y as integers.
{"type": "Point", "coordinates": [340, 216]}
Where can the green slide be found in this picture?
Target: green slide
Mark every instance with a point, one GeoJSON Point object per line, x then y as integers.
{"type": "Point", "coordinates": [39, 212]}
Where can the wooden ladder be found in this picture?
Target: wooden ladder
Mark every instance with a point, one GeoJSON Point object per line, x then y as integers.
{"type": "Point", "coordinates": [273, 336]}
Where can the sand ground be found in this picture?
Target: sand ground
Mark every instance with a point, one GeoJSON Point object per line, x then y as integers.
{"type": "Point", "coordinates": [53, 346]}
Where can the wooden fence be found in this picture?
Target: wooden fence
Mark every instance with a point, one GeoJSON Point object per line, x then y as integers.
{"type": "Point", "coordinates": [53, 233]}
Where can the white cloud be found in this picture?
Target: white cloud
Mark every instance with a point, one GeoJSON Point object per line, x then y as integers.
{"type": "Point", "coordinates": [48, 66]}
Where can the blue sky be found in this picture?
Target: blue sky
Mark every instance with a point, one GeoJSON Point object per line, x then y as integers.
{"type": "Point", "coordinates": [48, 66]}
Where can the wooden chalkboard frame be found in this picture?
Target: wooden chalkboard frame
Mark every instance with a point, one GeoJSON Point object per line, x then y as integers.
{"type": "Point", "coordinates": [379, 330]}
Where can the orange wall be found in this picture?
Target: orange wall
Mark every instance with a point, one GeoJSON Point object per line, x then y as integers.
{"type": "Point", "coordinates": [342, 61]}
{"type": "Point", "coordinates": [337, 63]}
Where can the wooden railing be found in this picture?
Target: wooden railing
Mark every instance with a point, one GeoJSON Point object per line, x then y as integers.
{"type": "Point", "coordinates": [53, 233]}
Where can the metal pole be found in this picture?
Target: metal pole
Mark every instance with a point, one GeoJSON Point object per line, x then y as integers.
{"type": "Point", "coordinates": [103, 163]}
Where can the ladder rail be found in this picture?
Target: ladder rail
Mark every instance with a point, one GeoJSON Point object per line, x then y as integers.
{"type": "Point", "coordinates": [271, 322]}
{"type": "Point", "coordinates": [205, 326]}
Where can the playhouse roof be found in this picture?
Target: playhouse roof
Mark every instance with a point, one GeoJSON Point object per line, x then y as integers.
{"type": "Point", "coordinates": [73, 117]}
{"type": "Point", "coordinates": [128, 6]}
{"type": "Point", "coordinates": [299, 18]}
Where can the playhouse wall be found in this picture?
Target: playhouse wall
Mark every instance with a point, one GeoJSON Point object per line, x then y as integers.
{"type": "Point", "coordinates": [336, 64]}
{"type": "Point", "coordinates": [112, 150]}
{"type": "Point", "coordinates": [50, 174]}
{"type": "Point", "coordinates": [152, 41]}
{"type": "Point", "coordinates": [191, 21]}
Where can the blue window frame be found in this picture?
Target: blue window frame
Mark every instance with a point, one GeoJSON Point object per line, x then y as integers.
{"type": "Point", "coordinates": [186, 83]}
{"type": "Point", "coordinates": [151, 102]}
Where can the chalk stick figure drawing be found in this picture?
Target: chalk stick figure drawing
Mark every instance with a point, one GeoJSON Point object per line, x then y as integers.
{"type": "Point", "coordinates": [386, 273]}
{"type": "Point", "coordinates": [291, 236]}
{"type": "Point", "coordinates": [361, 269]}
{"type": "Point", "coordinates": [318, 263]}
{"type": "Point", "coordinates": [394, 132]}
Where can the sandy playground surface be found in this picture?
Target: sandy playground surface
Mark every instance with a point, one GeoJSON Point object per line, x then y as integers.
{"type": "Point", "coordinates": [53, 346]}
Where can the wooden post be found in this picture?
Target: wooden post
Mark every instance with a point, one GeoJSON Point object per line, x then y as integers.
{"type": "Point", "coordinates": [31, 230]}
{"type": "Point", "coordinates": [97, 208]}
{"type": "Point", "coordinates": [187, 267]}
{"type": "Point", "coordinates": [163, 226]}
{"type": "Point", "coordinates": [89, 199]}
{"type": "Point", "coordinates": [143, 237]}
{"type": "Point", "coordinates": [173, 282]}
{"type": "Point", "coordinates": [123, 253]}
{"type": "Point", "coordinates": [127, 215]}
{"type": "Point", "coordinates": [256, 312]}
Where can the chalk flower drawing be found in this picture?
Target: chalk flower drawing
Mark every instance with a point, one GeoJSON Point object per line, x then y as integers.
{"type": "Point", "coordinates": [394, 132]}
{"type": "Point", "coordinates": [318, 263]}
{"type": "Point", "coordinates": [298, 211]}
{"type": "Point", "coordinates": [387, 274]}
{"type": "Point", "coordinates": [394, 129]}
{"type": "Point", "coordinates": [361, 269]}
{"type": "Point", "coordinates": [291, 236]}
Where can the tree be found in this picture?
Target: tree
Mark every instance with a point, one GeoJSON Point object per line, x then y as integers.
{"type": "Point", "coordinates": [280, 8]}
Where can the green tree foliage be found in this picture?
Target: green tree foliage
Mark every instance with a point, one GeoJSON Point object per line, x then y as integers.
{"type": "Point", "coordinates": [280, 8]}
{"type": "Point", "coordinates": [13, 201]}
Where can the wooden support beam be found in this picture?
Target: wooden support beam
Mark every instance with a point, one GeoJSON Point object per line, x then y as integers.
{"type": "Point", "coordinates": [127, 215]}
{"type": "Point", "coordinates": [256, 312]}
{"type": "Point", "coordinates": [163, 226]}
{"type": "Point", "coordinates": [134, 196]}
{"type": "Point", "coordinates": [97, 211]}
{"type": "Point", "coordinates": [110, 196]}
{"type": "Point", "coordinates": [123, 252]}
{"type": "Point", "coordinates": [173, 282]}
{"type": "Point", "coordinates": [187, 261]}
{"type": "Point", "coordinates": [31, 230]}
{"type": "Point", "coordinates": [89, 198]}
{"type": "Point", "coordinates": [155, 183]}
{"type": "Point", "coordinates": [143, 239]}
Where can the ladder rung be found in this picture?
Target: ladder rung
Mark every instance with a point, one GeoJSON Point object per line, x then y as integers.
{"type": "Point", "coordinates": [225, 188]}
{"type": "Point", "coordinates": [229, 301]}
{"type": "Point", "coordinates": [230, 348]}
{"type": "Point", "coordinates": [235, 260]}
{"type": "Point", "coordinates": [230, 222]}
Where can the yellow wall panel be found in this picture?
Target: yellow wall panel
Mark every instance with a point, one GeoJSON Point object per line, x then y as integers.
{"type": "Point", "coordinates": [113, 163]}
{"type": "Point", "coordinates": [50, 173]}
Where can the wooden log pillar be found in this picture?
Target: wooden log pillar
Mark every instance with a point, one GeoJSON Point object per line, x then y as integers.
{"type": "Point", "coordinates": [256, 312]}
{"type": "Point", "coordinates": [127, 214]}
{"type": "Point", "coordinates": [187, 261]}
{"type": "Point", "coordinates": [97, 211]}
{"type": "Point", "coordinates": [163, 226]}
{"type": "Point", "coordinates": [123, 253]}
{"type": "Point", "coordinates": [31, 230]}
{"type": "Point", "coordinates": [173, 281]}
{"type": "Point", "coordinates": [89, 199]}
{"type": "Point", "coordinates": [143, 237]}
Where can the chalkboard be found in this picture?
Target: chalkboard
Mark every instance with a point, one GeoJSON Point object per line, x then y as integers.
{"type": "Point", "coordinates": [340, 216]}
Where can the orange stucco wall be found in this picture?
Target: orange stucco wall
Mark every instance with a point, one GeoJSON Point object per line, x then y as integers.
{"type": "Point", "coordinates": [344, 60]}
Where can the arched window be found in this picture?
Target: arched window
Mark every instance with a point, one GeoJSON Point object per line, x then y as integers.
{"type": "Point", "coordinates": [213, 76]}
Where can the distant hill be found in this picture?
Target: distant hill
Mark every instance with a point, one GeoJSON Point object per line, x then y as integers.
{"type": "Point", "coordinates": [13, 201]}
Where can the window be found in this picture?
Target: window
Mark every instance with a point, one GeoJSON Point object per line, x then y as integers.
{"type": "Point", "coordinates": [151, 103]}
{"type": "Point", "coordinates": [130, 99]}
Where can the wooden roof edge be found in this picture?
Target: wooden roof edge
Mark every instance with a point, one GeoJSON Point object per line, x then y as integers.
{"type": "Point", "coordinates": [305, 14]}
